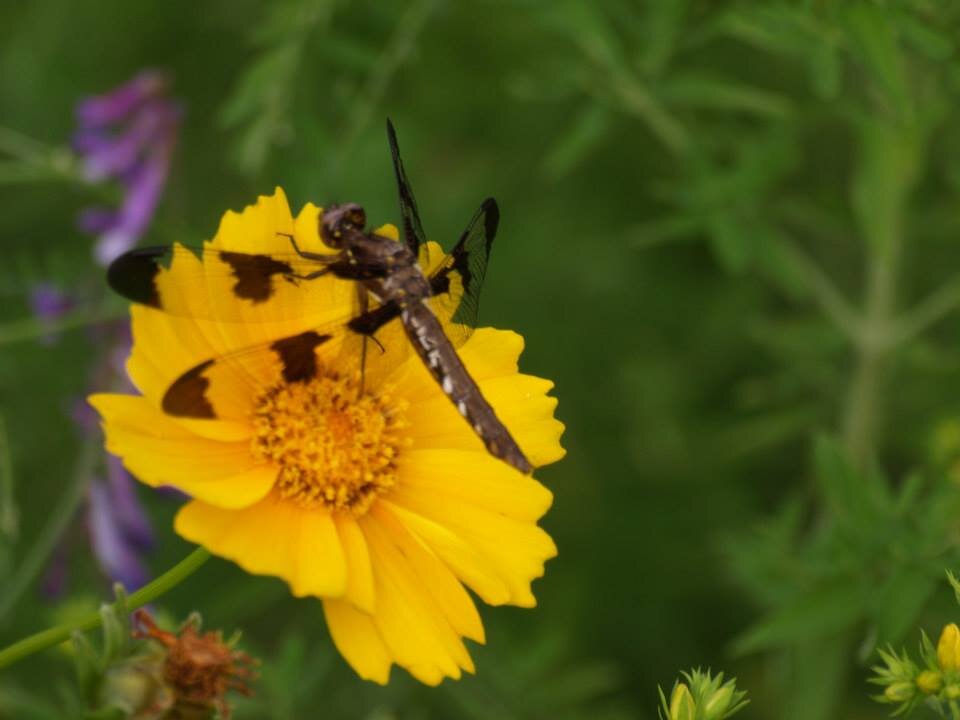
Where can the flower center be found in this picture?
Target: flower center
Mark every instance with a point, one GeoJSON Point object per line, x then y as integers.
{"type": "Point", "coordinates": [335, 446]}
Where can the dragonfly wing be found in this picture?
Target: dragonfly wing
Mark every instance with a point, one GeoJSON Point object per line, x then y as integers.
{"type": "Point", "coordinates": [458, 280]}
{"type": "Point", "coordinates": [413, 234]}
{"type": "Point", "coordinates": [223, 386]}
{"type": "Point", "coordinates": [212, 284]}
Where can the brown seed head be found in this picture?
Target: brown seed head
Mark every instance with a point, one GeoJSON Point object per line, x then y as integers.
{"type": "Point", "coordinates": [199, 668]}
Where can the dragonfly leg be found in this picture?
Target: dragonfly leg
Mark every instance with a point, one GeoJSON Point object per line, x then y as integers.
{"type": "Point", "coordinates": [364, 301]}
{"type": "Point", "coordinates": [320, 257]}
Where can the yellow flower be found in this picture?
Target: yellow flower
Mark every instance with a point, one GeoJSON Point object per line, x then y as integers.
{"type": "Point", "coordinates": [948, 648]}
{"type": "Point", "coordinates": [929, 682]}
{"type": "Point", "coordinates": [382, 503]}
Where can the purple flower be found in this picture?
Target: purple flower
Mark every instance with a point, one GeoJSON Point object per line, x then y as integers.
{"type": "Point", "coordinates": [118, 104]}
{"type": "Point", "coordinates": [119, 529]}
{"type": "Point", "coordinates": [127, 135]}
{"type": "Point", "coordinates": [48, 304]}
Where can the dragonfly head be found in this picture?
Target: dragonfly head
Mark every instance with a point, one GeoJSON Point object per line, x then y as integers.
{"type": "Point", "coordinates": [339, 222]}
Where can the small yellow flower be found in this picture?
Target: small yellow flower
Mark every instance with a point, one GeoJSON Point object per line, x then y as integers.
{"type": "Point", "coordinates": [682, 706]}
{"type": "Point", "coordinates": [930, 682]}
{"type": "Point", "coordinates": [948, 648]}
{"type": "Point", "coordinates": [382, 502]}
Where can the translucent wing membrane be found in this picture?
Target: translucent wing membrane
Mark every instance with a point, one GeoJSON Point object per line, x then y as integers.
{"type": "Point", "coordinates": [413, 234]}
{"type": "Point", "coordinates": [240, 285]}
{"type": "Point", "coordinates": [224, 386]}
{"type": "Point", "coordinates": [458, 279]}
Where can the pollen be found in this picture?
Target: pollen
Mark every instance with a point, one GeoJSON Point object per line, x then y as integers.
{"type": "Point", "coordinates": [335, 445]}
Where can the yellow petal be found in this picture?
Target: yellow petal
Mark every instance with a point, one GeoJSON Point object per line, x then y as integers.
{"type": "Point", "coordinates": [274, 537]}
{"type": "Point", "coordinates": [488, 353]}
{"type": "Point", "coordinates": [161, 452]}
{"type": "Point", "coordinates": [521, 404]}
{"type": "Point", "coordinates": [358, 640]}
{"type": "Point", "coordinates": [411, 623]}
{"type": "Point", "coordinates": [477, 478]}
{"type": "Point", "coordinates": [257, 228]}
{"type": "Point", "coordinates": [473, 569]}
{"type": "Point", "coordinates": [515, 550]}
{"type": "Point", "coordinates": [433, 576]}
{"type": "Point", "coordinates": [359, 573]}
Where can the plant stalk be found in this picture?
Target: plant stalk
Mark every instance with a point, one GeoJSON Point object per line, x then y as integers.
{"type": "Point", "coordinates": [56, 635]}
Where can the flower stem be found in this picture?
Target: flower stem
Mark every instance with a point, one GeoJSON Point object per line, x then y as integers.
{"type": "Point", "coordinates": [51, 533]}
{"type": "Point", "coordinates": [55, 635]}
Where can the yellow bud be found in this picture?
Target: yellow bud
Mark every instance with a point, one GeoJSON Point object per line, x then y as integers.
{"type": "Point", "coordinates": [929, 682]}
{"type": "Point", "coordinates": [948, 648]}
{"type": "Point", "coordinates": [682, 706]}
{"type": "Point", "coordinates": [899, 692]}
{"type": "Point", "coordinates": [952, 692]}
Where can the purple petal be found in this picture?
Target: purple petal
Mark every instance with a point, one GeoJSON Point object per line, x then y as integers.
{"type": "Point", "coordinates": [120, 155]}
{"type": "Point", "coordinates": [142, 197]}
{"type": "Point", "coordinates": [114, 552]}
{"type": "Point", "coordinates": [115, 105]}
{"type": "Point", "coordinates": [113, 244]}
{"type": "Point", "coordinates": [54, 582]}
{"type": "Point", "coordinates": [48, 302]}
{"type": "Point", "coordinates": [97, 220]}
{"type": "Point", "coordinates": [126, 507]}
{"type": "Point", "coordinates": [83, 414]}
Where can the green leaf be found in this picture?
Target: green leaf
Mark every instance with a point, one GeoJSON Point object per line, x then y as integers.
{"type": "Point", "coordinates": [701, 89]}
{"type": "Point", "coordinates": [899, 600]}
{"type": "Point", "coordinates": [875, 42]}
{"type": "Point", "coordinates": [825, 610]}
{"type": "Point", "coordinates": [88, 666]}
{"type": "Point", "coordinates": [588, 129]}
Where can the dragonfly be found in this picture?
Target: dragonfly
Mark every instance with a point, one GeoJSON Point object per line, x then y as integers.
{"type": "Point", "coordinates": [392, 290]}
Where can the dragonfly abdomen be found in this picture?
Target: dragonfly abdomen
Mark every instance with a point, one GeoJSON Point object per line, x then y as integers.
{"type": "Point", "coordinates": [438, 354]}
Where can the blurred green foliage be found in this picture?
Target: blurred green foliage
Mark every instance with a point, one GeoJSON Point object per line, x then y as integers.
{"type": "Point", "coordinates": [729, 234]}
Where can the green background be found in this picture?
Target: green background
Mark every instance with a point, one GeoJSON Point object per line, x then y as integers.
{"type": "Point", "coordinates": [729, 235]}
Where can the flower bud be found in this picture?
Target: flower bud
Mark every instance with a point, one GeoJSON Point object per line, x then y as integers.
{"type": "Point", "coordinates": [900, 692]}
{"type": "Point", "coordinates": [717, 704]}
{"type": "Point", "coordinates": [682, 706]}
{"type": "Point", "coordinates": [948, 648]}
{"type": "Point", "coordinates": [930, 682]}
{"type": "Point", "coordinates": [952, 692]}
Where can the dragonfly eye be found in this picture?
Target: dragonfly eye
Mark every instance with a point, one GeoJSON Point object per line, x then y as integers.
{"type": "Point", "coordinates": [339, 221]}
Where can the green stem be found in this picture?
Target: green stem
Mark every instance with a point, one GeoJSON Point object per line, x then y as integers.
{"type": "Point", "coordinates": [862, 410]}
{"type": "Point", "coordinates": [32, 328]}
{"type": "Point", "coordinates": [398, 48]}
{"type": "Point", "coordinates": [834, 305]}
{"type": "Point", "coordinates": [56, 635]}
{"type": "Point", "coordinates": [52, 532]}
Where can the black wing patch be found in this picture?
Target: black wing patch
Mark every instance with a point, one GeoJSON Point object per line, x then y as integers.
{"type": "Point", "coordinates": [254, 274]}
{"type": "Point", "coordinates": [133, 275]}
{"type": "Point", "coordinates": [468, 260]}
{"type": "Point", "coordinates": [187, 397]}
{"type": "Point", "coordinates": [413, 234]}
{"type": "Point", "coordinates": [253, 279]}
{"type": "Point", "coordinates": [297, 355]}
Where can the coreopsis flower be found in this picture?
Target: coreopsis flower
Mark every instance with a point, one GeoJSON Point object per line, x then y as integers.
{"type": "Point", "coordinates": [127, 134]}
{"type": "Point", "coordinates": [378, 499]}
